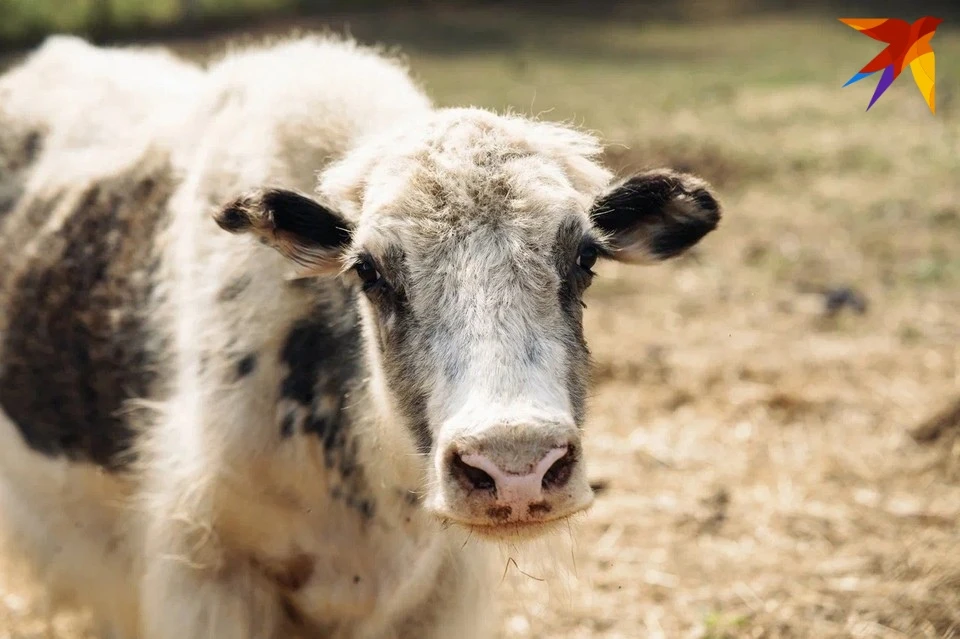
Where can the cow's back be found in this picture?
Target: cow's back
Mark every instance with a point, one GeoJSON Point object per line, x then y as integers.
{"type": "Point", "coordinates": [83, 196]}
{"type": "Point", "coordinates": [76, 342]}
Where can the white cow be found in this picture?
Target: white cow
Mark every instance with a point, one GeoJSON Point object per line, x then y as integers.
{"type": "Point", "coordinates": [279, 430]}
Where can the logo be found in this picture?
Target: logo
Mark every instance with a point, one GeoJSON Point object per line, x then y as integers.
{"type": "Point", "coordinates": [907, 44]}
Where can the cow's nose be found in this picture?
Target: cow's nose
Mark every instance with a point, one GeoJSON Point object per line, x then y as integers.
{"type": "Point", "coordinates": [481, 473]}
{"type": "Point", "coordinates": [502, 478]}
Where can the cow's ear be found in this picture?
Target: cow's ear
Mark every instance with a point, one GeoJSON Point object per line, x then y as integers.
{"type": "Point", "coordinates": [655, 215]}
{"type": "Point", "coordinates": [304, 231]}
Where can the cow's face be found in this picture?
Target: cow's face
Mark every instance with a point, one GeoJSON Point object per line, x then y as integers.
{"type": "Point", "coordinates": [473, 238]}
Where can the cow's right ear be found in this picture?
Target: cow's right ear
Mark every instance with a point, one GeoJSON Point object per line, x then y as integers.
{"type": "Point", "coordinates": [309, 234]}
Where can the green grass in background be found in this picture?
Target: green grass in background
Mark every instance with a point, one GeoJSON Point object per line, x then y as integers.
{"type": "Point", "coordinates": [756, 106]}
{"type": "Point", "coordinates": [22, 19]}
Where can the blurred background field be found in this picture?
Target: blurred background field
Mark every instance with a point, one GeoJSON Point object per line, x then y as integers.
{"type": "Point", "coordinates": [25, 22]}
{"type": "Point", "coordinates": [756, 403]}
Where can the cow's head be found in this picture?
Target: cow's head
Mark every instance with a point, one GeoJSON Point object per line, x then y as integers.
{"type": "Point", "coordinates": [473, 237]}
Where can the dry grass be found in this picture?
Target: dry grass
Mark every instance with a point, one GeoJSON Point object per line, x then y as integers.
{"type": "Point", "coordinates": [761, 479]}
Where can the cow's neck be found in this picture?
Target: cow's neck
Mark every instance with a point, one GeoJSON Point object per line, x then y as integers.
{"type": "Point", "coordinates": [385, 439]}
{"type": "Point", "coordinates": [401, 545]}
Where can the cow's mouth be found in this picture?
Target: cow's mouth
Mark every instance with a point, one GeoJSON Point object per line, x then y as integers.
{"type": "Point", "coordinates": [516, 530]}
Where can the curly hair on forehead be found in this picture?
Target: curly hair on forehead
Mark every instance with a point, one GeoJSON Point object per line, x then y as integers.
{"type": "Point", "coordinates": [450, 151]}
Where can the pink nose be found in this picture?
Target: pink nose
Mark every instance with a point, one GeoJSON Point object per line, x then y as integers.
{"type": "Point", "coordinates": [513, 489]}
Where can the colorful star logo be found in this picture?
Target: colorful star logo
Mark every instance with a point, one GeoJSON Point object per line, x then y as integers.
{"type": "Point", "coordinates": [907, 44]}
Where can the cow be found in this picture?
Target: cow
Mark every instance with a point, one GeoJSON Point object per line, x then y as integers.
{"type": "Point", "coordinates": [277, 331]}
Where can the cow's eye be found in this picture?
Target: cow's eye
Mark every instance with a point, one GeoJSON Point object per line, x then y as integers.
{"type": "Point", "coordinates": [367, 272]}
{"type": "Point", "coordinates": [587, 257]}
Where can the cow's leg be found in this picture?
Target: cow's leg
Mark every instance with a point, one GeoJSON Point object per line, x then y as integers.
{"type": "Point", "coordinates": [69, 523]}
{"type": "Point", "coordinates": [178, 603]}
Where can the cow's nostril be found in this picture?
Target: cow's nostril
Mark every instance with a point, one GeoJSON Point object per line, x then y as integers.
{"type": "Point", "coordinates": [472, 476]}
{"type": "Point", "coordinates": [559, 473]}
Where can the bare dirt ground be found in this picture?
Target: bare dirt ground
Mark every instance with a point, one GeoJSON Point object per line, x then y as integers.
{"type": "Point", "coordinates": [760, 476]}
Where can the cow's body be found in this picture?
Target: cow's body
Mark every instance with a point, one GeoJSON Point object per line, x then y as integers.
{"type": "Point", "coordinates": [189, 437]}
{"type": "Point", "coordinates": [103, 306]}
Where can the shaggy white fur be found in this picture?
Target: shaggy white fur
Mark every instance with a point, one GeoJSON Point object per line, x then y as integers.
{"type": "Point", "coordinates": [230, 525]}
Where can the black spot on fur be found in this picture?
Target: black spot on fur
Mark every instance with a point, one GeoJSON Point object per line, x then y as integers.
{"type": "Point", "coordinates": [367, 509]}
{"type": "Point", "coordinates": [350, 494]}
{"type": "Point", "coordinates": [324, 365]}
{"type": "Point", "coordinates": [303, 283]}
{"type": "Point", "coordinates": [32, 145]}
{"type": "Point", "coordinates": [76, 345]}
{"type": "Point", "coordinates": [246, 365]}
{"type": "Point", "coordinates": [323, 426]}
{"type": "Point", "coordinates": [323, 361]}
{"type": "Point", "coordinates": [18, 152]}
{"type": "Point", "coordinates": [11, 190]}
{"type": "Point", "coordinates": [233, 290]}
{"type": "Point", "coordinates": [291, 613]}
{"type": "Point", "coordinates": [312, 347]}
{"type": "Point", "coordinates": [286, 425]}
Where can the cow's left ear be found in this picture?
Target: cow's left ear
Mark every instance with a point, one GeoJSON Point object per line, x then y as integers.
{"type": "Point", "coordinates": [301, 229]}
{"type": "Point", "coordinates": [655, 215]}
